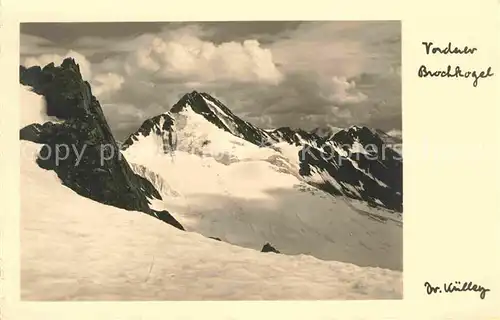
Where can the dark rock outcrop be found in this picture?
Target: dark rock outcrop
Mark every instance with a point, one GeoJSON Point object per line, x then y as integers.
{"type": "Point", "coordinates": [160, 125]}
{"type": "Point", "coordinates": [293, 136]}
{"type": "Point", "coordinates": [81, 148]}
{"type": "Point", "coordinates": [269, 248]}
{"type": "Point", "coordinates": [374, 175]}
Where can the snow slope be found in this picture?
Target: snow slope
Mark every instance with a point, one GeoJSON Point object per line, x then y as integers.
{"type": "Point", "coordinates": [245, 195]}
{"type": "Point", "coordinates": [73, 248]}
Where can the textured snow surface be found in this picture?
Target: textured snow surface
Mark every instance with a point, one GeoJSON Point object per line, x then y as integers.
{"type": "Point", "coordinates": [255, 196]}
{"type": "Point", "coordinates": [198, 136]}
{"type": "Point", "coordinates": [76, 249]}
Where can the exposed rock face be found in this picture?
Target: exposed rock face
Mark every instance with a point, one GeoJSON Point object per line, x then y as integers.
{"type": "Point", "coordinates": [269, 248]}
{"type": "Point", "coordinates": [297, 137]}
{"type": "Point", "coordinates": [217, 113]}
{"type": "Point", "coordinates": [160, 125]}
{"type": "Point", "coordinates": [357, 163]}
{"type": "Point", "coordinates": [81, 148]}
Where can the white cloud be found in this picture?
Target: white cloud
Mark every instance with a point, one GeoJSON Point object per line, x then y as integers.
{"type": "Point", "coordinates": [339, 73]}
{"type": "Point", "coordinates": [93, 44]}
{"type": "Point", "coordinates": [345, 49]}
{"type": "Point", "coordinates": [122, 116]}
{"type": "Point", "coordinates": [341, 113]}
{"type": "Point", "coordinates": [344, 92]}
{"type": "Point", "coordinates": [263, 121]}
{"type": "Point", "coordinates": [103, 84]}
{"type": "Point", "coordinates": [186, 57]}
{"type": "Point", "coordinates": [44, 59]}
{"type": "Point", "coordinates": [106, 83]}
{"type": "Point", "coordinates": [33, 107]}
{"type": "Point", "coordinates": [31, 45]}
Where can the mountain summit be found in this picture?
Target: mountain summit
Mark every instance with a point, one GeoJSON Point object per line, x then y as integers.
{"type": "Point", "coordinates": [91, 163]}
{"type": "Point", "coordinates": [217, 113]}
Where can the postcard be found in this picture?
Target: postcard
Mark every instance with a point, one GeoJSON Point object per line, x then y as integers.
{"type": "Point", "coordinates": [192, 159]}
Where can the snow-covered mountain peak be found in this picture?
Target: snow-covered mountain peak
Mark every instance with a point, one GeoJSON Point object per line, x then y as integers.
{"type": "Point", "coordinates": [193, 100]}
{"type": "Point", "coordinates": [92, 167]}
{"type": "Point", "coordinates": [356, 131]}
{"type": "Point", "coordinates": [202, 119]}
{"type": "Point", "coordinates": [297, 137]}
{"type": "Point", "coordinates": [210, 108]}
{"type": "Point", "coordinates": [353, 162]}
{"type": "Point", "coordinates": [357, 135]}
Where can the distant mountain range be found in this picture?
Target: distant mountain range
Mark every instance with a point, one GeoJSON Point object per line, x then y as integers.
{"type": "Point", "coordinates": [356, 162]}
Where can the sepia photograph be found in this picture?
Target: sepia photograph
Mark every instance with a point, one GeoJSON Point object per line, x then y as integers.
{"type": "Point", "coordinates": [231, 160]}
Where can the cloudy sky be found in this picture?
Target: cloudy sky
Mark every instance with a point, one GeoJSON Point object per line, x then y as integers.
{"type": "Point", "coordinates": [298, 74]}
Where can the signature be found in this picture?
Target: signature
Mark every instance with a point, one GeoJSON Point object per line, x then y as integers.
{"type": "Point", "coordinates": [456, 286]}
